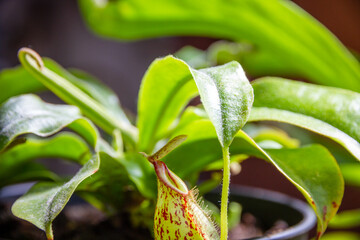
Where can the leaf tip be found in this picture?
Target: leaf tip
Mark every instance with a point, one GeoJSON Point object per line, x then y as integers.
{"type": "Point", "coordinates": [24, 51]}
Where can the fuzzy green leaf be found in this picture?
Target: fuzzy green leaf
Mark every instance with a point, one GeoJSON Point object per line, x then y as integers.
{"type": "Point", "coordinates": [227, 97]}
{"type": "Point", "coordinates": [44, 201]}
{"type": "Point", "coordinates": [286, 39]}
{"type": "Point", "coordinates": [28, 114]}
{"type": "Point", "coordinates": [323, 190]}
{"type": "Point", "coordinates": [224, 90]}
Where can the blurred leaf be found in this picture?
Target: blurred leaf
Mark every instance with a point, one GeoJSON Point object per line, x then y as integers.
{"type": "Point", "coordinates": [341, 235]}
{"type": "Point", "coordinates": [26, 172]}
{"type": "Point", "coordinates": [196, 58]}
{"type": "Point", "coordinates": [15, 160]}
{"type": "Point", "coordinates": [17, 81]}
{"type": "Point", "coordinates": [44, 201]}
{"type": "Point", "coordinates": [106, 189]}
{"type": "Point", "coordinates": [209, 184]}
{"type": "Point", "coordinates": [169, 79]}
{"type": "Point", "coordinates": [141, 173]}
{"type": "Point", "coordinates": [346, 219]}
{"type": "Point", "coordinates": [219, 164]}
{"type": "Point", "coordinates": [312, 169]}
{"type": "Point", "coordinates": [286, 39]}
{"type": "Point", "coordinates": [264, 133]}
{"type": "Point", "coordinates": [351, 173]}
{"type": "Point", "coordinates": [133, 166]}
{"type": "Point", "coordinates": [235, 211]}
{"type": "Point", "coordinates": [73, 94]}
{"type": "Point", "coordinates": [28, 114]}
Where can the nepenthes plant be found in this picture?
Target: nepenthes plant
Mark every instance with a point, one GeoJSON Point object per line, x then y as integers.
{"type": "Point", "coordinates": [213, 131]}
{"type": "Point", "coordinates": [146, 167]}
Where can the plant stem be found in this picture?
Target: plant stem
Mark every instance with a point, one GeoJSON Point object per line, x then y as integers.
{"type": "Point", "coordinates": [225, 193]}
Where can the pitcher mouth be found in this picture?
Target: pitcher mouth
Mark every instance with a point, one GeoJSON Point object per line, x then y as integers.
{"type": "Point", "coordinates": [167, 177]}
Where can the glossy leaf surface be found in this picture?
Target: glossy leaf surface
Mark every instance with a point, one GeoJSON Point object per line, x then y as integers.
{"type": "Point", "coordinates": [286, 39]}
{"type": "Point", "coordinates": [44, 201]}
{"type": "Point", "coordinates": [28, 114]}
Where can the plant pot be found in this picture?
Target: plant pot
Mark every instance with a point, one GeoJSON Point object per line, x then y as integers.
{"type": "Point", "coordinates": [268, 207]}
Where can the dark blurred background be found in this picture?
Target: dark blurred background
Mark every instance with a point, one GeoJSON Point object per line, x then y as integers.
{"type": "Point", "coordinates": [55, 29]}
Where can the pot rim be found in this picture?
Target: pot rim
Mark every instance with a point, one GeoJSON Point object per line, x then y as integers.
{"type": "Point", "coordinates": [305, 225]}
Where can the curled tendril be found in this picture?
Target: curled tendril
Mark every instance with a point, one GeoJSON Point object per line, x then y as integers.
{"type": "Point", "coordinates": [25, 52]}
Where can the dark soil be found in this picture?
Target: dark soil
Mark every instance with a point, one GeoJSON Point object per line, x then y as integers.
{"type": "Point", "coordinates": [83, 222]}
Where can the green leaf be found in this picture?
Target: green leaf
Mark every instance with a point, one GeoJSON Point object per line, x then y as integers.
{"type": "Point", "coordinates": [64, 145]}
{"type": "Point", "coordinates": [17, 81]}
{"type": "Point", "coordinates": [72, 94]}
{"type": "Point", "coordinates": [196, 58]}
{"type": "Point", "coordinates": [28, 114]}
{"type": "Point", "coordinates": [351, 173]}
{"type": "Point", "coordinates": [44, 201]}
{"type": "Point", "coordinates": [317, 175]}
{"type": "Point", "coordinates": [141, 173]}
{"type": "Point", "coordinates": [227, 97]}
{"type": "Point", "coordinates": [286, 39]}
{"type": "Point", "coordinates": [341, 235]}
{"type": "Point", "coordinates": [27, 172]}
{"type": "Point", "coordinates": [307, 122]}
{"type": "Point", "coordinates": [265, 134]}
{"type": "Point", "coordinates": [169, 79]}
{"type": "Point", "coordinates": [106, 189]}
{"type": "Point", "coordinates": [339, 108]}
{"type": "Point", "coordinates": [346, 219]}
{"type": "Point", "coordinates": [92, 87]}
{"type": "Point", "coordinates": [314, 171]}
{"type": "Point", "coordinates": [165, 90]}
